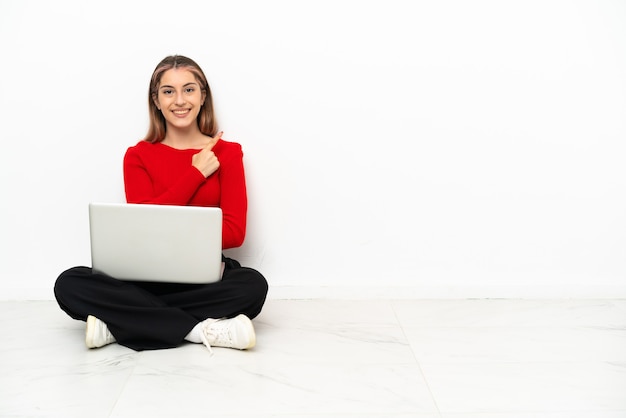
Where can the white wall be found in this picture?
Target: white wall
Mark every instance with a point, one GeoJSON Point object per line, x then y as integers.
{"type": "Point", "coordinates": [394, 148]}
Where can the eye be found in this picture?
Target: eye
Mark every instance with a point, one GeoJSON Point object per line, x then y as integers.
{"type": "Point", "coordinates": [189, 90]}
{"type": "Point", "coordinates": [167, 92]}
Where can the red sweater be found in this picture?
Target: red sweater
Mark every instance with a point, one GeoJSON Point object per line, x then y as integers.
{"type": "Point", "coordinates": [159, 174]}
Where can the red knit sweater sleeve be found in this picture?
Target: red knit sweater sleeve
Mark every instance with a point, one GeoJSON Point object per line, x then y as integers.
{"type": "Point", "coordinates": [233, 196]}
{"type": "Point", "coordinates": [140, 173]}
{"type": "Point", "coordinates": [157, 174]}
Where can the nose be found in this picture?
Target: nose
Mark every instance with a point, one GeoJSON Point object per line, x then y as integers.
{"type": "Point", "coordinates": [180, 98]}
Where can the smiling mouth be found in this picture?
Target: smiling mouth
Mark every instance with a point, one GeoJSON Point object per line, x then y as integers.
{"type": "Point", "coordinates": [181, 112]}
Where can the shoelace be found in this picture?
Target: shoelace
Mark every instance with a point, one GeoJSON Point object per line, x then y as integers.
{"type": "Point", "coordinates": [219, 334]}
{"type": "Point", "coordinates": [206, 343]}
{"type": "Point", "coordinates": [205, 330]}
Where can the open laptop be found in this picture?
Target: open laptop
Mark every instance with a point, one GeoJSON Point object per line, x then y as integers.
{"type": "Point", "coordinates": [156, 243]}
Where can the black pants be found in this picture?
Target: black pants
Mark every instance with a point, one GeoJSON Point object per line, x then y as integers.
{"type": "Point", "coordinates": [146, 315]}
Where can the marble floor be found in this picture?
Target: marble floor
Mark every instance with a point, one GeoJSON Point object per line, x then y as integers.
{"type": "Point", "coordinates": [334, 358]}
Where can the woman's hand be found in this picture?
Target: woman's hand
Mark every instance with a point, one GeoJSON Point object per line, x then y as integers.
{"type": "Point", "coordinates": [206, 161]}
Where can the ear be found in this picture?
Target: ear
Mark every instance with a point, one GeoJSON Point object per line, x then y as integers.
{"type": "Point", "coordinates": [155, 100]}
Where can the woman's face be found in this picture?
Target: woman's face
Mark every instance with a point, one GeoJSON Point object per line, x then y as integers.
{"type": "Point", "coordinates": [179, 98]}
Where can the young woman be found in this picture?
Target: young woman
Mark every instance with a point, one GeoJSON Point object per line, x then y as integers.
{"type": "Point", "coordinates": [182, 161]}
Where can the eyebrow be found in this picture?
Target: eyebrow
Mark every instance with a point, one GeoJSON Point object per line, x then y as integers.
{"type": "Point", "coordinates": [185, 85]}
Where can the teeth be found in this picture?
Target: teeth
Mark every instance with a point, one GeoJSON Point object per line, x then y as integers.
{"type": "Point", "coordinates": [180, 112]}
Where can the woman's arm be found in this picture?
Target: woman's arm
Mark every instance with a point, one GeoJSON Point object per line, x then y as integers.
{"type": "Point", "coordinates": [233, 198]}
{"type": "Point", "coordinates": [138, 183]}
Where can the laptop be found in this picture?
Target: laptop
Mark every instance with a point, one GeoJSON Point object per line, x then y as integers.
{"type": "Point", "coordinates": [156, 243]}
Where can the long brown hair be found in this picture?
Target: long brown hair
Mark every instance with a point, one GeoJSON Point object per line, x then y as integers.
{"type": "Point", "coordinates": [206, 117]}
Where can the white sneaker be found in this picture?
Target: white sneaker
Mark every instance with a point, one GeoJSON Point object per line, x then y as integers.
{"type": "Point", "coordinates": [97, 333]}
{"type": "Point", "coordinates": [236, 332]}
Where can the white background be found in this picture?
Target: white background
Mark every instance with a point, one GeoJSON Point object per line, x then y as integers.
{"type": "Point", "coordinates": [395, 148]}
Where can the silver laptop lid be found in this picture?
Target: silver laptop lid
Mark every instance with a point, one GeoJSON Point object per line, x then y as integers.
{"type": "Point", "coordinates": [158, 243]}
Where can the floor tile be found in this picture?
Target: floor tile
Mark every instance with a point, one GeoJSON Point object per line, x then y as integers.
{"type": "Point", "coordinates": [512, 313]}
{"type": "Point", "coordinates": [327, 314]}
{"type": "Point", "coordinates": [528, 388]}
{"type": "Point", "coordinates": [521, 344]}
{"type": "Point", "coordinates": [264, 388]}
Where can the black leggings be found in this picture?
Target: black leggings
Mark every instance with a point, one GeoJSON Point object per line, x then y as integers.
{"type": "Point", "coordinates": [146, 315]}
